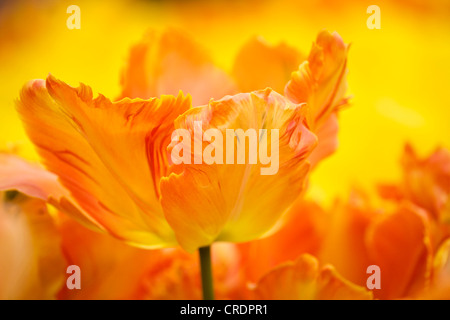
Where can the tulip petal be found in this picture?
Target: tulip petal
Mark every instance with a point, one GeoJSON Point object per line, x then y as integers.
{"type": "Point", "coordinates": [303, 230]}
{"type": "Point", "coordinates": [169, 62]}
{"type": "Point", "coordinates": [290, 281]}
{"type": "Point", "coordinates": [344, 245]}
{"type": "Point", "coordinates": [399, 243]}
{"type": "Point", "coordinates": [427, 181]}
{"type": "Point", "coordinates": [34, 181]}
{"type": "Point", "coordinates": [327, 135]}
{"type": "Point", "coordinates": [332, 286]}
{"type": "Point", "coordinates": [108, 155]}
{"type": "Point", "coordinates": [235, 202]}
{"type": "Point", "coordinates": [259, 65]}
{"type": "Point", "coordinates": [440, 284]}
{"type": "Point", "coordinates": [321, 82]}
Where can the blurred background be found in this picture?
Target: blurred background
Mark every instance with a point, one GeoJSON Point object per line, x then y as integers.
{"type": "Point", "coordinates": [398, 75]}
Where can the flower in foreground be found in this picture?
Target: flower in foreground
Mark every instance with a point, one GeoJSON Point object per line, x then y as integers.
{"type": "Point", "coordinates": [112, 156]}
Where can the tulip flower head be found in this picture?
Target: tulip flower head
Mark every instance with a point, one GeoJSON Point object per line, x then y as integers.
{"type": "Point", "coordinates": [128, 172]}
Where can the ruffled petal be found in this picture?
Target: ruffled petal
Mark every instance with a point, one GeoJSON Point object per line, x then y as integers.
{"type": "Point", "coordinates": [108, 155]}
{"type": "Point", "coordinates": [320, 81]}
{"type": "Point", "coordinates": [332, 286]}
{"type": "Point", "coordinates": [235, 202]}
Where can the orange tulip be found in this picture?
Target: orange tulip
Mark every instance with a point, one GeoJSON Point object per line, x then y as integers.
{"type": "Point", "coordinates": [403, 237]}
{"type": "Point", "coordinates": [409, 241]}
{"type": "Point", "coordinates": [426, 182]}
{"type": "Point", "coordinates": [111, 156]}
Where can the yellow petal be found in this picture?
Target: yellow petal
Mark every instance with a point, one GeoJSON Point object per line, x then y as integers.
{"type": "Point", "coordinates": [235, 202]}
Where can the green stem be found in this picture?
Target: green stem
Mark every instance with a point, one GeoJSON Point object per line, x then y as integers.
{"type": "Point", "coordinates": [206, 270]}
